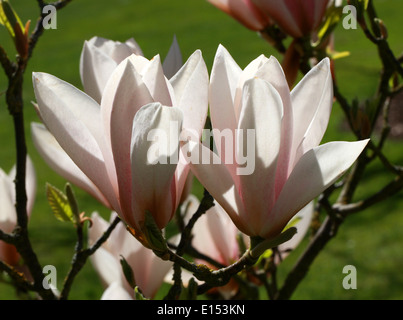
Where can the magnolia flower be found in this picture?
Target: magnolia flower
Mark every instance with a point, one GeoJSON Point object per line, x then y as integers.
{"type": "Point", "coordinates": [8, 214]}
{"type": "Point", "coordinates": [290, 169]}
{"type": "Point", "coordinates": [109, 142]}
{"type": "Point", "coordinates": [100, 57]}
{"type": "Point", "coordinates": [245, 12]}
{"type": "Point", "coordinates": [216, 236]}
{"type": "Point", "coordinates": [298, 18]}
{"type": "Point", "coordinates": [148, 270]}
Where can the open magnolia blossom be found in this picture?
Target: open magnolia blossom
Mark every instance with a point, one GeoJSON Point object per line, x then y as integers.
{"type": "Point", "coordinates": [298, 18]}
{"type": "Point", "coordinates": [148, 270]}
{"type": "Point", "coordinates": [245, 12]}
{"type": "Point", "coordinates": [109, 142]}
{"type": "Point", "coordinates": [8, 214]}
{"type": "Point", "coordinates": [290, 168]}
{"type": "Point", "coordinates": [100, 56]}
{"type": "Point", "coordinates": [216, 236]}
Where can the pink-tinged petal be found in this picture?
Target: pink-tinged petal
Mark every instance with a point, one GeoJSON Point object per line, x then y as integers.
{"type": "Point", "coordinates": [202, 239]}
{"type": "Point", "coordinates": [116, 50]}
{"type": "Point", "coordinates": [154, 156]}
{"type": "Point", "coordinates": [248, 73]}
{"type": "Point", "coordinates": [99, 226]}
{"type": "Point", "coordinates": [272, 72]}
{"type": "Point", "coordinates": [224, 233]}
{"type": "Point", "coordinates": [315, 172]}
{"type": "Point", "coordinates": [262, 112]}
{"type": "Point", "coordinates": [107, 266]}
{"type": "Point", "coordinates": [116, 292]}
{"type": "Point", "coordinates": [125, 94]}
{"type": "Point", "coordinates": [312, 102]}
{"type": "Point", "coordinates": [173, 61]}
{"type": "Point", "coordinates": [244, 11]}
{"type": "Point", "coordinates": [182, 173]}
{"type": "Point", "coordinates": [74, 118]}
{"type": "Point", "coordinates": [136, 49]}
{"type": "Point", "coordinates": [95, 69]}
{"type": "Point", "coordinates": [281, 12]}
{"type": "Point", "coordinates": [157, 272]}
{"type": "Point", "coordinates": [215, 177]}
{"type": "Point", "coordinates": [139, 62]}
{"type": "Point", "coordinates": [304, 220]}
{"type": "Point", "coordinates": [224, 80]}
{"type": "Point", "coordinates": [121, 51]}
{"type": "Point", "coordinates": [190, 85]}
{"type": "Point", "coordinates": [319, 12]}
{"type": "Point", "coordinates": [30, 184]}
{"type": "Point", "coordinates": [157, 84]}
{"type": "Point", "coordinates": [8, 215]}
{"type": "Point", "coordinates": [57, 159]}
{"type": "Point", "coordinates": [249, 15]}
{"type": "Point", "coordinates": [223, 84]}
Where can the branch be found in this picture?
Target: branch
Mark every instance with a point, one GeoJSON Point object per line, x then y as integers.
{"type": "Point", "coordinates": [186, 238]}
{"type": "Point", "coordinates": [18, 278]}
{"type": "Point", "coordinates": [80, 258]}
{"type": "Point", "coordinates": [327, 231]}
{"type": "Point", "coordinates": [7, 65]}
{"type": "Point", "coordinates": [391, 189]}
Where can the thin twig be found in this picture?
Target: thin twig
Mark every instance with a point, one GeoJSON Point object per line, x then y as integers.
{"type": "Point", "coordinates": [80, 258]}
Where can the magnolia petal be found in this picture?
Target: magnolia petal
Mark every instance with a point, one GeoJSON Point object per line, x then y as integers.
{"type": "Point", "coordinates": [223, 86]}
{"type": "Point", "coordinates": [73, 118]}
{"type": "Point", "coordinates": [116, 50]}
{"type": "Point", "coordinates": [272, 72]}
{"type": "Point", "coordinates": [61, 163]}
{"type": "Point", "coordinates": [315, 172]}
{"type": "Point", "coordinates": [173, 61]}
{"type": "Point", "coordinates": [304, 217]}
{"type": "Point", "coordinates": [154, 156]}
{"type": "Point", "coordinates": [99, 226]}
{"type": "Point", "coordinates": [107, 266]}
{"type": "Point", "coordinates": [136, 49]}
{"type": "Point", "coordinates": [125, 94]}
{"type": "Point", "coordinates": [202, 239]}
{"type": "Point", "coordinates": [190, 85]}
{"type": "Point", "coordinates": [312, 101]}
{"type": "Point", "coordinates": [279, 11]}
{"type": "Point", "coordinates": [8, 215]}
{"type": "Point", "coordinates": [157, 84]}
{"type": "Point", "coordinates": [262, 112]}
{"type": "Point", "coordinates": [95, 69]}
{"type": "Point", "coordinates": [116, 292]}
{"type": "Point", "coordinates": [246, 13]}
{"type": "Point", "coordinates": [223, 233]}
{"type": "Point", "coordinates": [156, 274]}
{"type": "Point", "coordinates": [248, 73]}
{"type": "Point", "coordinates": [217, 180]}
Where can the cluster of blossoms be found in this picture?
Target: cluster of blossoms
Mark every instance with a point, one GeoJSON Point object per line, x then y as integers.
{"type": "Point", "coordinates": [100, 140]}
{"type": "Point", "coordinates": [297, 18]}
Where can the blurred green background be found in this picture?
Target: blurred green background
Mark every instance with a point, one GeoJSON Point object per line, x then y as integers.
{"type": "Point", "coordinates": [371, 240]}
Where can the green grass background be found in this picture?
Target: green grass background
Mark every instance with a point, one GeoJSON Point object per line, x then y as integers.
{"type": "Point", "coordinates": [372, 240]}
